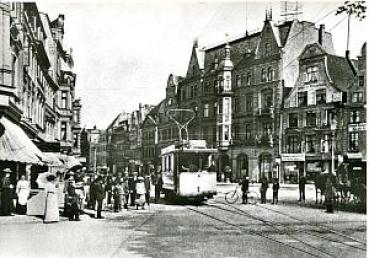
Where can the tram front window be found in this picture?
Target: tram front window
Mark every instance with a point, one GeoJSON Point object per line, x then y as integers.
{"type": "Point", "coordinates": [193, 162]}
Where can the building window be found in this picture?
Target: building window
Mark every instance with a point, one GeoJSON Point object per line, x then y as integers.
{"type": "Point", "coordinates": [267, 129]}
{"type": "Point", "coordinates": [320, 96]}
{"type": "Point", "coordinates": [236, 105]}
{"type": "Point", "coordinates": [75, 140]}
{"type": "Point", "coordinates": [312, 74]}
{"type": "Point", "coordinates": [361, 80]}
{"type": "Point", "coordinates": [293, 120]}
{"type": "Point", "coordinates": [311, 119]}
{"type": "Point", "coordinates": [206, 87]}
{"type": "Point", "coordinates": [215, 85]}
{"type": "Point", "coordinates": [293, 145]}
{"type": "Point", "coordinates": [268, 49]}
{"type": "Point", "coordinates": [63, 131]}
{"type": "Point", "coordinates": [248, 104]}
{"type": "Point", "coordinates": [64, 99]}
{"type": "Point", "coordinates": [270, 74]}
{"type": "Point", "coordinates": [215, 108]}
{"type": "Point", "coordinates": [355, 116]}
{"type": "Point", "coordinates": [267, 101]}
{"type": "Point", "coordinates": [183, 91]}
{"type": "Point", "coordinates": [357, 97]}
{"type": "Point", "coordinates": [263, 75]}
{"type": "Point", "coordinates": [302, 98]}
{"type": "Point", "coordinates": [354, 141]}
{"type": "Point", "coordinates": [310, 142]}
{"type": "Point", "coordinates": [248, 79]}
{"type": "Point", "coordinates": [238, 81]}
{"type": "Point", "coordinates": [247, 132]}
{"type": "Point", "coordinates": [236, 132]}
{"type": "Point", "coordinates": [195, 90]}
{"type": "Point", "coordinates": [206, 110]}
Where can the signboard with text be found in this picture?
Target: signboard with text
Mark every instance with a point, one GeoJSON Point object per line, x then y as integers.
{"type": "Point", "coordinates": [293, 157]}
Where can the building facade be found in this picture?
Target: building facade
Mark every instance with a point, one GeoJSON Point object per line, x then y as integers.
{"type": "Point", "coordinates": [242, 92]}
{"type": "Point", "coordinates": [35, 71]}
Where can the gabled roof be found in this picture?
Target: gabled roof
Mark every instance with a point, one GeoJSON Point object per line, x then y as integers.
{"type": "Point", "coordinates": [340, 71]}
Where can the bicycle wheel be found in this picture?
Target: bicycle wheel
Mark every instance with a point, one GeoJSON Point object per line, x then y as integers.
{"type": "Point", "coordinates": [252, 197]}
{"type": "Point", "coordinates": [231, 197]}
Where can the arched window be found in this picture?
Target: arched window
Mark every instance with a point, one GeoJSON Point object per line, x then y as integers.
{"type": "Point", "coordinates": [263, 75]}
{"type": "Point", "coordinates": [270, 74]}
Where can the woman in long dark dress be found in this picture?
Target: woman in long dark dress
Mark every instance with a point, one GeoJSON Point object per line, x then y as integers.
{"type": "Point", "coordinates": [7, 192]}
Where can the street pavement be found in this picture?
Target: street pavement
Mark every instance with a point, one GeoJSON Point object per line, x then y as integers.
{"type": "Point", "coordinates": [214, 229]}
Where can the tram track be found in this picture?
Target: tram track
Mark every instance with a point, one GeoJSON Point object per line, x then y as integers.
{"type": "Point", "coordinates": [275, 225]}
{"type": "Point", "coordinates": [336, 232]}
{"type": "Point", "coordinates": [321, 253]}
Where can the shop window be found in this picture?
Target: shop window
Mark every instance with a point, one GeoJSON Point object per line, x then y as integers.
{"type": "Point", "coordinates": [355, 116]}
{"type": "Point", "coordinates": [310, 142]}
{"type": "Point", "coordinates": [293, 120]}
{"type": "Point", "coordinates": [354, 141]}
{"type": "Point", "coordinates": [321, 96]}
{"type": "Point", "coordinates": [302, 98]}
{"type": "Point", "coordinates": [293, 145]}
{"type": "Point", "coordinates": [357, 97]}
{"type": "Point", "coordinates": [311, 119]}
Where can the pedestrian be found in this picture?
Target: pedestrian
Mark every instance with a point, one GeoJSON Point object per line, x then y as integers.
{"type": "Point", "coordinates": [125, 192]}
{"type": "Point", "coordinates": [7, 190]}
{"type": "Point", "coordinates": [22, 190]}
{"type": "Point", "coordinates": [109, 190]}
{"type": "Point", "coordinates": [147, 182]}
{"type": "Point", "coordinates": [158, 187]}
{"type": "Point", "coordinates": [329, 194]}
{"type": "Point", "coordinates": [73, 201]}
{"type": "Point", "coordinates": [80, 191]}
{"type": "Point", "coordinates": [263, 189]}
{"type": "Point", "coordinates": [275, 190]}
{"type": "Point", "coordinates": [51, 213]}
{"type": "Point", "coordinates": [244, 188]}
{"type": "Point", "coordinates": [117, 195]}
{"type": "Point", "coordinates": [140, 193]}
{"type": "Point", "coordinates": [302, 182]}
{"type": "Point", "coordinates": [132, 188]}
{"type": "Point", "coordinates": [100, 196]}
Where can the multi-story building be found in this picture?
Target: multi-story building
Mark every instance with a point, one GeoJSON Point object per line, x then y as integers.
{"type": "Point", "coordinates": [35, 70]}
{"type": "Point", "coordinates": [124, 141]}
{"type": "Point", "coordinates": [239, 91]}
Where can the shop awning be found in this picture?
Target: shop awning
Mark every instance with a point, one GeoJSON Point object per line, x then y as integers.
{"type": "Point", "coordinates": [53, 160]}
{"type": "Point", "coordinates": [16, 146]}
{"type": "Point", "coordinates": [69, 161]}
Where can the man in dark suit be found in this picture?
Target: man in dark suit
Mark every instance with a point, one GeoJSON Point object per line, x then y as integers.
{"type": "Point", "coordinates": [100, 196]}
{"type": "Point", "coordinates": [302, 183]}
{"type": "Point", "coordinates": [244, 188]}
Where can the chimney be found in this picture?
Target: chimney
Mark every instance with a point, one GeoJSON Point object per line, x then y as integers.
{"type": "Point", "coordinates": [321, 34]}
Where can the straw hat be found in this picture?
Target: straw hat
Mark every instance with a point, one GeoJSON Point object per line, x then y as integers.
{"type": "Point", "coordinates": [7, 170]}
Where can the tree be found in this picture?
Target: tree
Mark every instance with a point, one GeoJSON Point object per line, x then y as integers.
{"type": "Point", "coordinates": [355, 8]}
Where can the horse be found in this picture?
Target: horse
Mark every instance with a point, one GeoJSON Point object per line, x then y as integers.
{"type": "Point", "coordinates": [320, 186]}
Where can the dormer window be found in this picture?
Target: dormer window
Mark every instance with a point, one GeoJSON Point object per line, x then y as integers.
{"type": "Point", "coordinates": [312, 74]}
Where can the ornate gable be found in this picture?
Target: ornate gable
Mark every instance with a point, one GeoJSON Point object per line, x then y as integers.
{"type": "Point", "coordinates": [312, 50]}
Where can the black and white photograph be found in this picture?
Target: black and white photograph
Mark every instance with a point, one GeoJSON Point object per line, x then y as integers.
{"type": "Point", "coordinates": [183, 129]}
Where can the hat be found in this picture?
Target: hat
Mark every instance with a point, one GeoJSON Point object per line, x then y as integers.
{"type": "Point", "coordinates": [140, 178]}
{"type": "Point", "coordinates": [7, 170]}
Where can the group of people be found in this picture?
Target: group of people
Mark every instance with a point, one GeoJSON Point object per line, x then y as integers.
{"type": "Point", "coordinates": [122, 191]}
{"type": "Point", "coordinates": [14, 198]}
{"type": "Point", "coordinates": [263, 189]}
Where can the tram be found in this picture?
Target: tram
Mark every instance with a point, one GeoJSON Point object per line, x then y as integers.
{"type": "Point", "coordinates": [186, 174]}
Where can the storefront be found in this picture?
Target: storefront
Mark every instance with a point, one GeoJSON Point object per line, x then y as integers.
{"type": "Point", "coordinates": [292, 167]}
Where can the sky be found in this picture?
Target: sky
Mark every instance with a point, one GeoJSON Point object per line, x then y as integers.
{"type": "Point", "coordinates": [124, 51]}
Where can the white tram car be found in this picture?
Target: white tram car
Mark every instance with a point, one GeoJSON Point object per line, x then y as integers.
{"type": "Point", "coordinates": [185, 168]}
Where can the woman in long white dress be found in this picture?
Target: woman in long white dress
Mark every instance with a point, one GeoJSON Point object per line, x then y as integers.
{"type": "Point", "coordinates": [51, 204]}
{"type": "Point", "coordinates": [22, 191]}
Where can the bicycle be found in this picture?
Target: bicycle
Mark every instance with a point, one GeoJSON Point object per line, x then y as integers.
{"type": "Point", "coordinates": [233, 196]}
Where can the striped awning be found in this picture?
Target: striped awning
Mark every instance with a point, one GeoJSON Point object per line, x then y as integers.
{"type": "Point", "coordinates": [16, 146]}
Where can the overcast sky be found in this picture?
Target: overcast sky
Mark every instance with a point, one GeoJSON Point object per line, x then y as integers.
{"type": "Point", "coordinates": [125, 50]}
